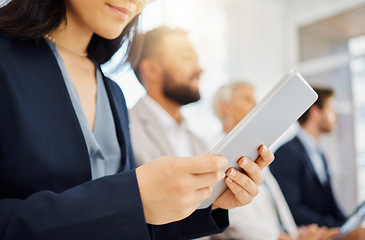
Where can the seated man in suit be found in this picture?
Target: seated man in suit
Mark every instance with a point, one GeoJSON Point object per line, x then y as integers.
{"type": "Point", "coordinates": [301, 169]}
{"type": "Point", "coordinates": [268, 216]}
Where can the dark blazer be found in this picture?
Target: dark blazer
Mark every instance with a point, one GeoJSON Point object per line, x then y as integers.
{"type": "Point", "coordinates": [309, 200]}
{"type": "Point", "coordinates": [46, 190]}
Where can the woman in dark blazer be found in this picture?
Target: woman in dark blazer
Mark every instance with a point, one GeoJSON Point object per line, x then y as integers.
{"type": "Point", "coordinates": [67, 169]}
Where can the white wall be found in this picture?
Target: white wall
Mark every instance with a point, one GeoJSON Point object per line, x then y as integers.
{"type": "Point", "coordinates": [257, 42]}
{"type": "Point", "coordinates": [263, 35]}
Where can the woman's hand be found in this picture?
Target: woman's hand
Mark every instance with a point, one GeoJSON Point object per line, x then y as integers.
{"type": "Point", "coordinates": [243, 187]}
{"type": "Point", "coordinates": [172, 188]}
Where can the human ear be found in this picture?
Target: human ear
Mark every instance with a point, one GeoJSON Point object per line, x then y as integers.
{"type": "Point", "coordinates": [225, 110]}
{"type": "Point", "coordinates": [314, 112]}
{"type": "Point", "coordinates": [150, 69]}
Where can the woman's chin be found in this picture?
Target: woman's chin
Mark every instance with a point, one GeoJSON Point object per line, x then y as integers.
{"type": "Point", "coordinates": [112, 34]}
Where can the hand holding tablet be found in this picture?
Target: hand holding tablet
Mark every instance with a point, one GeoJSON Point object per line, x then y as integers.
{"type": "Point", "coordinates": [281, 107]}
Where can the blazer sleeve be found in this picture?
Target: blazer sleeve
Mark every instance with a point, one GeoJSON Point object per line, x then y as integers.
{"type": "Point", "coordinates": [200, 223]}
{"type": "Point", "coordinates": [106, 208]}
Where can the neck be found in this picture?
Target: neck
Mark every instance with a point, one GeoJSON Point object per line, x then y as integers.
{"type": "Point", "coordinates": [172, 108]}
{"type": "Point", "coordinates": [313, 131]}
{"type": "Point", "coordinates": [71, 37]}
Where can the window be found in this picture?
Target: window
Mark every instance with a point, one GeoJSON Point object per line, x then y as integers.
{"type": "Point", "coordinates": [357, 50]}
{"type": "Point", "coordinates": [333, 56]}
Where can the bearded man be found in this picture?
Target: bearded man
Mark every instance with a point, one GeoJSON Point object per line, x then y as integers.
{"type": "Point", "coordinates": [169, 71]}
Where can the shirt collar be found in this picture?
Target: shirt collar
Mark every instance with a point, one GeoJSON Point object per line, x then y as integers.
{"type": "Point", "coordinates": [163, 117]}
{"type": "Point", "coordinates": [309, 142]}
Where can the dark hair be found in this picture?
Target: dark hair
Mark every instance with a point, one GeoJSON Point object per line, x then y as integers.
{"type": "Point", "coordinates": [323, 95]}
{"type": "Point", "coordinates": [32, 19]}
{"type": "Point", "coordinates": [151, 40]}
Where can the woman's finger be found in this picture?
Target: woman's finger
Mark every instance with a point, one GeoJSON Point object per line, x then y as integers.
{"type": "Point", "coordinates": [243, 193]}
{"type": "Point", "coordinates": [252, 170]}
{"type": "Point", "coordinates": [265, 158]}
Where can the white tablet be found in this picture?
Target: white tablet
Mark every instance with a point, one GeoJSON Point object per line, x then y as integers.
{"type": "Point", "coordinates": [281, 107]}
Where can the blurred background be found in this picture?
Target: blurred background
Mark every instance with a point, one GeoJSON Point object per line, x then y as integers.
{"type": "Point", "coordinates": [259, 41]}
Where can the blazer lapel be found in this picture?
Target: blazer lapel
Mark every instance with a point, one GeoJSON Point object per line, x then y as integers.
{"type": "Point", "coordinates": [49, 118]}
{"type": "Point", "coordinates": [120, 114]}
{"type": "Point", "coordinates": [308, 161]}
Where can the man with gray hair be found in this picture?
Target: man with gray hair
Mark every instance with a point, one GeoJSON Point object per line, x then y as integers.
{"type": "Point", "coordinates": [232, 102]}
{"type": "Point", "coordinates": [268, 216]}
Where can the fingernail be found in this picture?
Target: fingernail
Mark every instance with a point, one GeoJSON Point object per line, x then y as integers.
{"type": "Point", "coordinates": [244, 163]}
{"type": "Point", "coordinates": [229, 180]}
{"type": "Point", "coordinates": [233, 173]}
{"type": "Point", "coordinates": [264, 149]}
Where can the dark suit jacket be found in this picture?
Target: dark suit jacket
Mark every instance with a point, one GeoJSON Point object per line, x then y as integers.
{"type": "Point", "coordinates": [46, 190]}
{"type": "Point", "coordinates": [309, 200]}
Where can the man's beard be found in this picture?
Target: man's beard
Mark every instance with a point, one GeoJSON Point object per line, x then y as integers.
{"type": "Point", "coordinates": [179, 93]}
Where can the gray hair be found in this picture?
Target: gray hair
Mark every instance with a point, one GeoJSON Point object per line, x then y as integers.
{"type": "Point", "coordinates": [224, 95]}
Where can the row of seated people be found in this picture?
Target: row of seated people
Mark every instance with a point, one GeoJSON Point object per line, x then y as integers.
{"type": "Point", "coordinates": [67, 168]}
{"type": "Point", "coordinates": [297, 192]}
